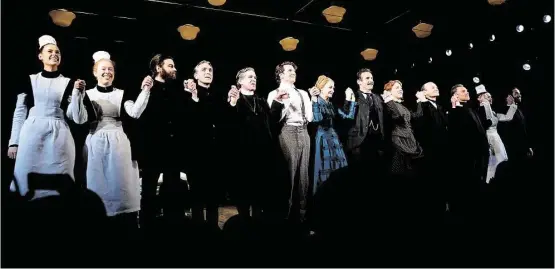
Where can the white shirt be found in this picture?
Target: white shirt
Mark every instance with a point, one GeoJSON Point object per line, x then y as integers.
{"type": "Point", "coordinates": [292, 110]}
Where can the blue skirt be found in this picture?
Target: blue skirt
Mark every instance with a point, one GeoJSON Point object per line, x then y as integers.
{"type": "Point", "coordinates": [329, 155]}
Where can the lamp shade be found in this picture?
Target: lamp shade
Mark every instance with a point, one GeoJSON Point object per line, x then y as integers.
{"type": "Point", "coordinates": [496, 2]}
{"type": "Point", "coordinates": [216, 3]}
{"type": "Point", "coordinates": [62, 17]}
{"type": "Point", "coordinates": [422, 30]}
{"type": "Point", "coordinates": [369, 54]}
{"type": "Point", "coordinates": [289, 43]}
{"type": "Point", "coordinates": [188, 31]}
{"type": "Point", "coordinates": [334, 14]}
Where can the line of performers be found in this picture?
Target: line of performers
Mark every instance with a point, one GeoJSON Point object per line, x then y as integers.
{"type": "Point", "coordinates": [247, 141]}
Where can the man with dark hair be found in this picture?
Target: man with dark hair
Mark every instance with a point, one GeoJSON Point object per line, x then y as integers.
{"type": "Point", "coordinates": [515, 135]}
{"type": "Point", "coordinates": [296, 113]}
{"type": "Point", "coordinates": [365, 139]}
{"type": "Point", "coordinates": [467, 136]}
{"type": "Point", "coordinates": [161, 131]}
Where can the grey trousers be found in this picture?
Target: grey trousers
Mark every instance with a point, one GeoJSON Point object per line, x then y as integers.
{"type": "Point", "coordinates": [295, 146]}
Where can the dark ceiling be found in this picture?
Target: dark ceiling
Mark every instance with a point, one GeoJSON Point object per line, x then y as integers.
{"type": "Point", "coordinates": [385, 25]}
{"type": "Point", "coordinates": [243, 32]}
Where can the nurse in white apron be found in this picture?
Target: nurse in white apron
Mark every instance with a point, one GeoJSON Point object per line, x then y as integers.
{"type": "Point", "coordinates": [111, 172]}
{"type": "Point", "coordinates": [498, 154]}
{"type": "Point", "coordinates": [40, 140]}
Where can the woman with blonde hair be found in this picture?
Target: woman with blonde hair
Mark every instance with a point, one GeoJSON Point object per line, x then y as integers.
{"type": "Point", "coordinates": [111, 171]}
{"type": "Point", "coordinates": [329, 154]}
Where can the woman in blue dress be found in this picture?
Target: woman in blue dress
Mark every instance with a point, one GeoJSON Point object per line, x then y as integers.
{"type": "Point", "coordinates": [329, 154]}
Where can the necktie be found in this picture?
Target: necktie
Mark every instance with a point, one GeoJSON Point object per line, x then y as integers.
{"type": "Point", "coordinates": [302, 106]}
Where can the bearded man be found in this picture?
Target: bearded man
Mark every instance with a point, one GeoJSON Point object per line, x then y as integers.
{"type": "Point", "coordinates": [161, 129]}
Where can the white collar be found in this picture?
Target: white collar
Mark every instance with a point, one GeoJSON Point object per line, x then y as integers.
{"type": "Point", "coordinates": [246, 92]}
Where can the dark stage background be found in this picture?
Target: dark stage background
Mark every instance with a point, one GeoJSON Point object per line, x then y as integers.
{"type": "Point", "coordinates": [132, 31]}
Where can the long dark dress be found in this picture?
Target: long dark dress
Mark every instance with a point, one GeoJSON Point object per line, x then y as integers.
{"type": "Point", "coordinates": [405, 148]}
{"type": "Point", "coordinates": [329, 154]}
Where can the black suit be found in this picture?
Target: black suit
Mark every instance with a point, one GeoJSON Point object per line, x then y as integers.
{"type": "Point", "coordinates": [515, 136]}
{"type": "Point", "coordinates": [469, 154]}
{"type": "Point", "coordinates": [432, 134]}
{"type": "Point", "coordinates": [431, 131]}
{"type": "Point", "coordinates": [365, 138]}
{"type": "Point", "coordinates": [161, 133]}
{"type": "Point", "coordinates": [206, 164]}
{"type": "Point", "coordinates": [251, 124]}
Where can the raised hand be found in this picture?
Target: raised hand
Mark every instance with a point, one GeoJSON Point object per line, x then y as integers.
{"type": "Point", "coordinates": [314, 91]}
{"type": "Point", "coordinates": [454, 101]}
{"type": "Point", "coordinates": [281, 95]}
{"type": "Point", "coordinates": [420, 96]}
{"type": "Point", "coordinates": [80, 85]}
{"type": "Point", "coordinates": [190, 84]}
{"type": "Point", "coordinates": [386, 96]}
{"type": "Point", "coordinates": [147, 83]}
{"type": "Point", "coordinates": [510, 100]}
{"type": "Point", "coordinates": [349, 95]}
{"type": "Point", "coordinates": [233, 95]}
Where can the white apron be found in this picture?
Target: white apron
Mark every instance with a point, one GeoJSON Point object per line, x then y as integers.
{"type": "Point", "coordinates": [498, 153]}
{"type": "Point", "coordinates": [45, 143]}
{"type": "Point", "coordinates": [111, 173]}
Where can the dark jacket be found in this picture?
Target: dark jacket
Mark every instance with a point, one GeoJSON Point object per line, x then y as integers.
{"type": "Point", "coordinates": [431, 130]}
{"type": "Point", "coordinates": [468, 141]}
{"type": "Point", "coordinates": [515, 135]}
{"type": "Point", "coordinates": [358, 128]}
{"type": "Point", "coordinates": [162, 127]}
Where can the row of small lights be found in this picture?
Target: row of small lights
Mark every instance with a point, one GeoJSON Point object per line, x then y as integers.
{"type": "Point", "coordinates": [519, 29]}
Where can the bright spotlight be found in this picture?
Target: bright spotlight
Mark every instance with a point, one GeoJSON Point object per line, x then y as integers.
{"type": "Point", "coordinates": [520, 28]}
{"type": "Point", "coordinates": [526, 67]}
{"type": "Point", "coordinates": [471, 45]}
{"type": "Point", "coordinates": [448, 52]}
{"type": "Point", "coordinates": [430, 60]}
{"type": "Point", "coordinates": [492, 38]}
{"type": "Point", "coordinates": [546, 18]}
{"type": "Point", "coordinates": [476, 79]}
